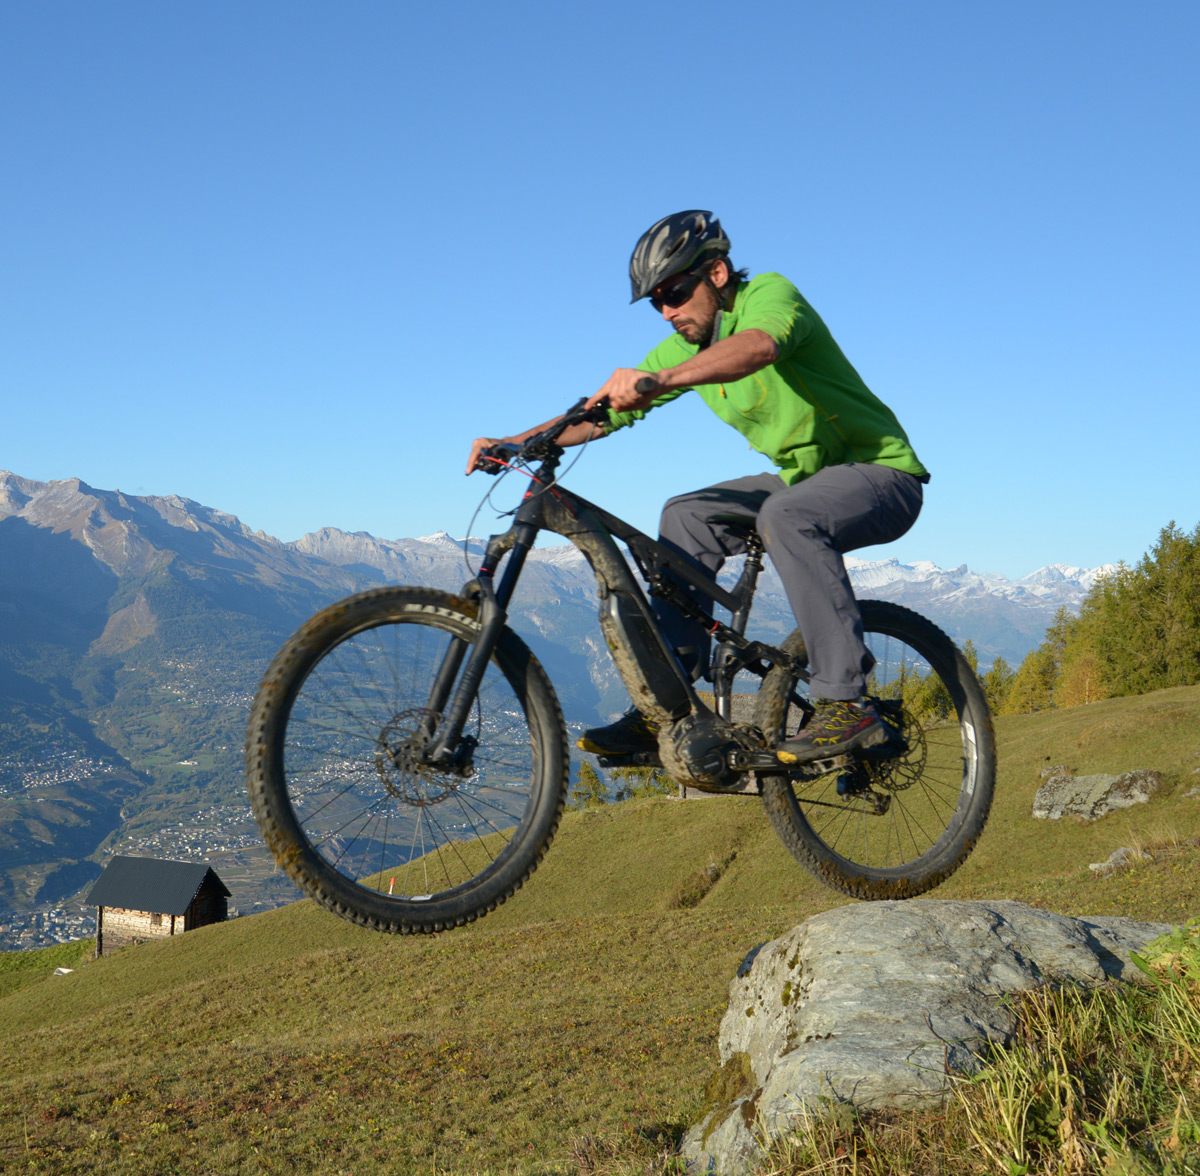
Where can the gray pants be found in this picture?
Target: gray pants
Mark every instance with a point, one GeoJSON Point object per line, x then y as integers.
{"type": "Point", "coordinates": [806, 528]}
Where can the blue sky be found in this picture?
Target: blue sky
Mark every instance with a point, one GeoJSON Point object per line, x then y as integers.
{"type": "Point", "coordinates": [288, 259]}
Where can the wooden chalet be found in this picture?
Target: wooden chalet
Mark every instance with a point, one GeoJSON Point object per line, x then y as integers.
{"type": "Point", "coordinates": [138, 899]}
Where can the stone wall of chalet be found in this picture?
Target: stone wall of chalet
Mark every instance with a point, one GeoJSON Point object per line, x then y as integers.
{"type": "Point", "coordinates": [122, 928]}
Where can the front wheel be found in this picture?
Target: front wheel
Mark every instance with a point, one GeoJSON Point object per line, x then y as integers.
{"type": "Point", "coordinates": [339, 778]}
{"type": "Point", "coordinates": [889, 826]}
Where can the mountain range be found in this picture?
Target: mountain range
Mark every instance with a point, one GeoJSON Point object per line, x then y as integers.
{"type": "Point", "coordinates": [133, 631]}
{"type": "Point", "coordinates": [1004, 618]}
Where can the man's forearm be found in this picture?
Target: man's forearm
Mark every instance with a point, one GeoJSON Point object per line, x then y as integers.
{"type": "Point", "coordinates": [731, 359]}
{"type": "Point", "coordinates": [575, 435]}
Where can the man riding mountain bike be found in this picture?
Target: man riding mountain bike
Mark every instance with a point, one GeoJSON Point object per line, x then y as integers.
{"type": "Point", "coordinates": [763, 360]}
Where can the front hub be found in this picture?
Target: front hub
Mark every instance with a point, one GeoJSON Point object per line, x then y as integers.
{"type": "Point", "coordinates": [403, 767]}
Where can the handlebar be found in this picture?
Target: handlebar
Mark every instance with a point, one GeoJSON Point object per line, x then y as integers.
{"type": "Point", "coordinates": [495, 457]}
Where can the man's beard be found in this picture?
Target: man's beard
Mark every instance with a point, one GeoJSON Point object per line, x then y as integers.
{"type": "Point", "coordinates": [696, 331]}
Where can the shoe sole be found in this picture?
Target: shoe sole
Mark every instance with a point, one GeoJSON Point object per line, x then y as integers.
{"type": "Point", "coordinates": [872, 737]}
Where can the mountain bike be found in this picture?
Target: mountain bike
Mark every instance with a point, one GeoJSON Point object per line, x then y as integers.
{"type": "Point", "coordinates": [407, 759]}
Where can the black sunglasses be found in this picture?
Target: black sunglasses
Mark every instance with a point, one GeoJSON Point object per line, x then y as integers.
{"type": "Point", "coordinates": [678, 294]}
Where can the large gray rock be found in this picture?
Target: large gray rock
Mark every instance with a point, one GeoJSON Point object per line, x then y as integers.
{"type": "Point", "coordinates": [880, 1004]}
{"type": "Point", "coordinates": [1092, 797]}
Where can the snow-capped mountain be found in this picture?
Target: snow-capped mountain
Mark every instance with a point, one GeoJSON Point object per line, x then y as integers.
{"type": "Point", "coordinates": [1004, 618]}
{"type": "Point", "coordinates": [128, 536]}
{"type": "Point", "coordinates": [1056, 584]}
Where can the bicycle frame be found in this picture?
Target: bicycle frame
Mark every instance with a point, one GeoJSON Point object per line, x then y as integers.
{"type": "Point", "coordinates": [654, 678]}
{"type": "Point", "coordinates": [396, 700]}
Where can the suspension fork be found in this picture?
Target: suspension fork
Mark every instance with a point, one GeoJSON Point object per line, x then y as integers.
{"type": "Point", "coordinates": [447, 747]}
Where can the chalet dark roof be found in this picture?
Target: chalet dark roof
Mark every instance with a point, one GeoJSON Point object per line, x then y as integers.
{"type": "Point", "coordinates": [151, 884]}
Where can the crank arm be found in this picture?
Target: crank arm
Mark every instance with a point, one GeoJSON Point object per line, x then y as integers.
{"type": "Point", "coordinates": [636, 759]}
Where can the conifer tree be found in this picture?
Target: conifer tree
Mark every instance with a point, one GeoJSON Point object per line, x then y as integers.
{"type": "Point", "coordinates": [996, 684]}
{"type": "Point", "coordinates": [1082, 680]}
{"type": "Point", "coordinates": [1146, 620]}
{"type": "Point", "coordinates": [1137, 630]}
{"type": "Point", "coordinates": [1032, 687]}
{"type": "Point", "coordinates": [589, 791]}
{"type": "Point", "coordinates": [637, 782]}
{"type": "Point", "coordinates": [1170, 613]}
{"type": "Point", "coordinates": [1082, 677]}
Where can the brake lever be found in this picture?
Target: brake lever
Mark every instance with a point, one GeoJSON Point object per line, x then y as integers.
{"type": "Point", "coordinates": [597, 414]}
{"type": "Point", "coordinates": [495, 458]}
{"type": "Point", "coordinates": [575, 415]}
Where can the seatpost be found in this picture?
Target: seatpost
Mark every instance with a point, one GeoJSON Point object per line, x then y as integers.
{"type": "Point", "coordinates": [747, 581]}
{"type": "Point", "coordinates": [724, 653]}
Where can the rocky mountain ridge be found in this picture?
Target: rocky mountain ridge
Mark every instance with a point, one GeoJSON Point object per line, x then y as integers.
{"type": "Point", "coordinates": [1003, 617]}
{"type": "Point", "coordinates": [128, 535]}
{"type": "Point", "coordinates": [1062, 582]}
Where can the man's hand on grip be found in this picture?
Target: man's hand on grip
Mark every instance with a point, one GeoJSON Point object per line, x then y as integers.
{"type": "Point", "coordinates": [627, 388]}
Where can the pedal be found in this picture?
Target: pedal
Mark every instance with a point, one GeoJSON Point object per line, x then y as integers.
{"type": "Point", "coordinates": [891, 714]}
{"type": "Point", "coordinates": [765, 760]}
{"type": "Point", "coordinates": [892, 749]}
{"type": "Point", "coordinates": [635, 759]}
{"type": "Point", "coordinates": [895, 746]}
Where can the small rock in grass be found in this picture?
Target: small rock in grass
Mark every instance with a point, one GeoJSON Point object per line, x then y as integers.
{"type": "Point", "coordinates": [1116, 859]}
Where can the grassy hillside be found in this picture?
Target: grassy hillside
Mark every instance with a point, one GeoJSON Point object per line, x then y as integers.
{"type": "Point", "coordinates": [572, 1030]}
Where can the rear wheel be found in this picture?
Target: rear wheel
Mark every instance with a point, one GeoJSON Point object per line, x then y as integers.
{"type": "Point", "coordinates": [889, 824]}
{"type": "Point", "coordinates": [339, 784]}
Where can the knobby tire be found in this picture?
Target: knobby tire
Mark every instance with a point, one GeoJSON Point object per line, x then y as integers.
{"type": "Point", "coordinates": [351, 816]}
{"type": "Point", "coordinates": [920, 814]}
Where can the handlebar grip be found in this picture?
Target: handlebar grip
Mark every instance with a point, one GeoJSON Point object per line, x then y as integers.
{"type": "Point", "coordinates": [646, 385]}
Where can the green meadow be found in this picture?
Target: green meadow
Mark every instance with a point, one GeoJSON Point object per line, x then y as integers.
{"type": "Point", "coordinates": [575, 1029]}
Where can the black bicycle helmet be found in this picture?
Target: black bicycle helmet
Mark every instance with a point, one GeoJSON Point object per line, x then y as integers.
{"type": "Point", "coordinates": [672, 246]}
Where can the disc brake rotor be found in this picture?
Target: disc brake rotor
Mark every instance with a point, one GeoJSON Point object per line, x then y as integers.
{"type": "Point", "coordinates": [400, 760]}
